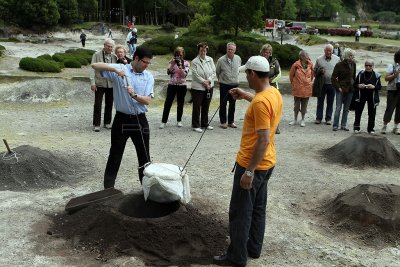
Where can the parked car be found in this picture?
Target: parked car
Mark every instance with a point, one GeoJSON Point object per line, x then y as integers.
{"type": "Point", "coordinates": [296, 27]}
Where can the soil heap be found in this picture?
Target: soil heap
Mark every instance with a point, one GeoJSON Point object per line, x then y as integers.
{"type": "Point", "coordinates": [159, 234]}
{"type": "Point", "coordinates": [364, 150]}
{"type": "Point", "coordinates": [33, 168]}
{"type": "Point", "coordinates": [372, 212]}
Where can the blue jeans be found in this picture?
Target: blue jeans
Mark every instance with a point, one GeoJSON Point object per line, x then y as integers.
{"type": "Point", "coordinates": [247, 215]}
{"type": "Point", "coordinates": [132, 49]}
{"type": "Point", "coordinates": [345, 100]}
{"type": "Point", "coordinates": [329, 92]}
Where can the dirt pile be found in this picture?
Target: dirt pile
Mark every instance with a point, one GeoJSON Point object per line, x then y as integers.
{"type": "Point", "coordinates": [158, 234]}
{"type": "Point", "coordinates": [364, 150]}
{"type": "Point", "coordinates": [371, 212]}
{"type": "Point", "coordinates": [33, 168]}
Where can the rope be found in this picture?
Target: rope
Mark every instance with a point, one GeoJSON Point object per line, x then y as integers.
{"type": "Point", "coordinates": [205, 129]}
{"type": "Point", "coordinates": [12, 155]}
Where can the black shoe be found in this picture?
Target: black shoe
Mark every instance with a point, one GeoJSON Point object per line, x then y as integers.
{"type": "Point", "coordinates": [224, 261]}
{"type": "Point", "coordinates": [253, 256]}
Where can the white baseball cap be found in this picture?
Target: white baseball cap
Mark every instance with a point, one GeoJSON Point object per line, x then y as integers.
{"type": "Point", "coordinates": [257, 63]}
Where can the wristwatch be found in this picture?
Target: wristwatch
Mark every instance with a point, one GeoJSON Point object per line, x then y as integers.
{"type": "Point", "coordinates": [249, 173]}
{"type": "Point", "coordinates": [135, 96]}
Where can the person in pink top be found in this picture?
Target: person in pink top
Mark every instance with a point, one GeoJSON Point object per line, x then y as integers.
{"type": "Point", "coordinates": [301, 77]}
{"type": "Point", "coordinates": [178, 69]}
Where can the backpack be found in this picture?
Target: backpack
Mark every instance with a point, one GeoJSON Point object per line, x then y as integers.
{"type": "Point", "coordinates": [133, 39]}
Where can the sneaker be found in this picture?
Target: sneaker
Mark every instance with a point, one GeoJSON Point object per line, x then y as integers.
{"type": "Point", "coordinates": [335, 129]}
{"type": "Point", "coordinates": [317, 121]}
{"type": "Point", "coordinates": [108, 126]}
{"type": "Point", "coordinates": [396, 131]}
{"type": "Point", "coordinates": [96, 128]}
{"type": "Point", "coordinates": [344, 128]}
{"type": "Point", "coordinates": [179, 124]}
{"type": "Point", "coordinates": [232, 125]}
{"type": "Point", "coordinates": [210, 127]}
{"type": "Point", "coordinates": [224, 126]}
{"type": "Point", "coordinates": [329, 122]}
{"type": "Point", "coordinates": [357, 131]}
{"type": "Point", "coordinates": [372, 132]}
{"type": "Point", "coordinates": [162, 126]}
{"type": "Point", "coordinates": [198, 130]}
{"type": "Point", "coordinates": [384, 129]}
{"type": "Point", "coordinates": [293, 123]}
{"type": "Point", "coordinates": [302, 123]}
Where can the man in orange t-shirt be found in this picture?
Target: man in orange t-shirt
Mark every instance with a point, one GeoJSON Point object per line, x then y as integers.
{"type": "Point", "coordinates": [255, 162]}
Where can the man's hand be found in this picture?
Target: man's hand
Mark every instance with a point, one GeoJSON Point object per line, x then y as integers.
{"type": "Point", "coordinates": [131, 91]}
{"type": "Point", "coordinates": [93, 88]}
{"type": "Point", "coordinates": [206, 84]}
{"type": "Point", "coordinates": [237, 93]}
{"type": "Point", "coordinates": [246, 182]}
{"type": "Point", "coordinates": [120, 73]}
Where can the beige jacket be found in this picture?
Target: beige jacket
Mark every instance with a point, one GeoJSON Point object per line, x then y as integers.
{"type": "Point", "coordinates": [202, 70]}
{"type": "Point", "coordinates": [96, 78]}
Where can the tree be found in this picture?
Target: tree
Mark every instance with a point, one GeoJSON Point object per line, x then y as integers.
{"type": "Point", "coordinates": [87, 9]}
{"type": "Point", "coordinates": [289, 10]}
{"type": "Point", "coordinates": [237, 15]}
{"type": "Point", "coordinates": [202, 21]}
{"type": "Point", "coordinates": [304, 9]}
{"type": "Point", "coordinates": [68, 10]}
{"type": "Point", "coordinates": [30, 13]}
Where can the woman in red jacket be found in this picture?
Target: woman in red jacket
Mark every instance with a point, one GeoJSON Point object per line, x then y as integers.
{"type": "Point", "coordinates": [301, 76]}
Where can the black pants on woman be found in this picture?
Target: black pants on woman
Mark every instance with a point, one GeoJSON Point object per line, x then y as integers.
{"type": "Point", "coordinates": [201, 105]}
{"type": "Point", "coordinates": [180, 92]}
{"type": "Point", "coordinates": [224, 97]}
{"type": "Point", "coordinates": [108, 105]}
{"type": "Point", "coordinates": [127, 126]}
{"type": "Point", "coordinates": [365, 96]}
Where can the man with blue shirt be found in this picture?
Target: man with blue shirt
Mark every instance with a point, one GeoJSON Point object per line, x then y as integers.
{"type": "Point", "coordinates": [132, 91]}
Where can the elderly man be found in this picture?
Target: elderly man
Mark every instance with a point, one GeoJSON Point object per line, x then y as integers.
{"type": "Point", "coordinates": [323, 69]}
{"type": "Point", "coordinates": [343, 76]}
{"type": "Point", "coordinates": [101, 86]}
{"type": "Point", "coordinates": [255, 162]}
{"type": "Point", "coordinates": [227, 71]}
{"type": "Point", "coordinates": [133, 91]}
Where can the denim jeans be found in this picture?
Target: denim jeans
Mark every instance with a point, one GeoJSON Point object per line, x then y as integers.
{"type": "Point", "coordinates": [247, 215]}
{"type": "Point", "coordinates": [132, 49]}
{"type": "Point", "coordinates": [329, 92]}
{"type": "Point", "coordinates": [345, 100]}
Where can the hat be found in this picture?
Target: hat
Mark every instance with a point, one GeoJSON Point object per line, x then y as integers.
{"type": "Point", "coordinates": [134, 30]}
{"type": "Point", "coordinates": [257, 63]}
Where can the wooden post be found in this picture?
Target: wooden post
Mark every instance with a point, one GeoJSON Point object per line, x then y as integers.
{"type": "Point", "coordinates": [8, 148]}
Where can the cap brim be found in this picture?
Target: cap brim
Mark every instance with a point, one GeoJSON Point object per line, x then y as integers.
{"type": "Point", "coordinates": [242, 68]}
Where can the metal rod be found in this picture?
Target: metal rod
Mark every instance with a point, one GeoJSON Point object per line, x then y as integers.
{"type": "Point", "coordinates": [8, 148]}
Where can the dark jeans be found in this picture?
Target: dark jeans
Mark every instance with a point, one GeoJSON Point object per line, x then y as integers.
{"type": "Point", "coordinates": [392, 104]}
{"type": "Point", "coordinates": [108, 104]}
{"type": "Point", "coordinates": [83, 42]}
{"type": "Point", "coordinates": [201, 105]}
{"type": "Point", "coordinates": [180, 92]}
{"type": "Point", "coordinates": [329, 92]}
{"type": "Point", "coordinates": [247, 215]}
{"type": "Point", "coordinates": [224, 97]}
{"type": "Point", "coordinates": [365, 96]}
{"type": "Point", "coordinates": [125, 126]}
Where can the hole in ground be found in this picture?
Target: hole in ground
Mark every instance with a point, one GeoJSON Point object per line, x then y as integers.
{"type": "Point", "coordinates": [135, 206]}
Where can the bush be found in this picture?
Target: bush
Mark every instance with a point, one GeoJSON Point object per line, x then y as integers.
{"type": "Point", "coordinates": [39, 65]}
{"type": "Point", "coordinates": [2, 48]}
{"type": "Point", "coordinates": [168, 27]}
{"type": "Point", "coordinates": [45, 56]}
{"type": "Point", "coordinates": [72, 63]}
{"type": "Point", "coordinates": [343, 32]}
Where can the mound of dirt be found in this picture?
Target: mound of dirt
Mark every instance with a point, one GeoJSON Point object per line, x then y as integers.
{"type": "Point", "coordinates": [180, 238]}
{"type": "Point", "coordinates": [33, 168]}
{"type": "Point", "coordinates": [369, 211]}
{"type": "Point", "coordinates": [364, 150]}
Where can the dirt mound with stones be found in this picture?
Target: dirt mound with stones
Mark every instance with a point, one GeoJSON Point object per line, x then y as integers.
{"type": "Point", "coordinates": [370, 212]}
{"type": "Point", "coordinates": [364, 150]}
{"type": "Point", "coordinates": [159, 234]}
{"type": "Point", "coordinates": [30, 167]}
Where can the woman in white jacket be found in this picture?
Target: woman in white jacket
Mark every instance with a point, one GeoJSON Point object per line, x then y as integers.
{"type": "Point", "coordinates": [203, 74]}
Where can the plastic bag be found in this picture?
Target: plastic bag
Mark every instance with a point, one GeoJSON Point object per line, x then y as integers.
{"type": "Point", "coordinates": [165, 183]}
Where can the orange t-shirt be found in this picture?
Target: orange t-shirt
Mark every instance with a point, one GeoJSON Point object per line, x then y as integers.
{"type": "Point", "coordinates": [264, 113]}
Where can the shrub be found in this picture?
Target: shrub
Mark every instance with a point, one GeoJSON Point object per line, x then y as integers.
{"type": "Point", "coordinates": [45, 56]}
{"type": "Point", "coordinates": [39, 65]}
{"type": "Point", "coordinates": [2, 48]}
{"type": "Point", "coordinates": [168, 27]}
{"type": "Point", "coordinates": [72, 63]}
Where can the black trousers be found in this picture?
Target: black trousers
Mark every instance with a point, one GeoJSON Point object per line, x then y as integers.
{"type": "Point", "coordinates": [83, 42]}
{"type": "Point", "coordinates": [365, 96]}
{"type": "Point", "coordinates": [180, 92]}
{"type": "Point", "coordinates": [108, 104]}
{"type": "Point", "coordinates": [224, 98]}
{"type": "Point", "coordinates": [201, 105]}
{"type": "Point", "coordinates": [124, 127]}
{"type": "Point", "coordinates": [392, 105]}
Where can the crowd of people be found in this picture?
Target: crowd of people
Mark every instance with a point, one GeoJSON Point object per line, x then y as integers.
{"type": "Point", "coordinates": [126, 81]}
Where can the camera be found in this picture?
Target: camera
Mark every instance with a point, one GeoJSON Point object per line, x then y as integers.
{"type": "Point", "coordinates": [178, 61]}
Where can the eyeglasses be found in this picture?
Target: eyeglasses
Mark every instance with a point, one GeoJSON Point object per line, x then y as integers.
{"type": "Point", "coordinates": [145, 62]}
{"type": "Point", "coordinates": [368, 65]}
